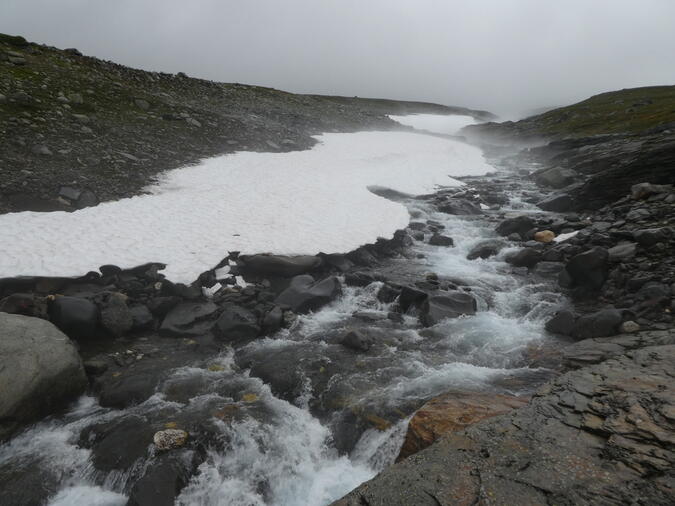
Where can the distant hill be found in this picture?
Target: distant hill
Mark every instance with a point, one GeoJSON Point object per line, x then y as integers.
{"type": "Point", "coordinates": [627, 111]}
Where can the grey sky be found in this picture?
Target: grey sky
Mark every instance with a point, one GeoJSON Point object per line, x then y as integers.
{"type": "Point", "coordinates": [508, 56]}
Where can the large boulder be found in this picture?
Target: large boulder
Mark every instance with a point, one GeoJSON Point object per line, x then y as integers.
{"type": "Point", "coordinates": [446, 305]}
{"type": "Point", "coordinates": [116, 317]}
{"type": "Point", "coordinates": [40, 371]}
{"type": "Point", "coordinates": [452, 412]}
{"type": "Point", "coordinates": [278, 265]}
{"type": "Point", "coordinates": [650, 236]}
{"type": "Point", "coordinates": [559, 203]}
{"type": "Point", "coordinates": [589, 269]}
{"type": "Point", "coordinates": [306, 294]}
{"type": "Point", "coordinates": [486, 249]}
{"type": "Point", "coordinates": [236, 323]}
{"type": "Point", "coordinates": [188, 319]}
{"type": "Point", "coordinates": [75, 316]}
{"type": "Point", "coordinates": [562, 323]}
{"type": "Point", "coordinates": [603, 323]}
{"type": "Point", "coordinates": [518, 225]}
{"type": "Point", "coordinates": [526, 257]}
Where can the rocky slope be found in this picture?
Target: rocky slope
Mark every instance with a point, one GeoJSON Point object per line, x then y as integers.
{"type": "Point", "coordinates": [76, 130]}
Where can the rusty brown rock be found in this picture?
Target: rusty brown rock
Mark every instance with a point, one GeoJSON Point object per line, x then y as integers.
{"type": "Point", "coordinates": [452, 412]}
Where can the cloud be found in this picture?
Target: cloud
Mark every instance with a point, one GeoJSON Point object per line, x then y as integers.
{"type": "Point", "coordinates": [507, 56]}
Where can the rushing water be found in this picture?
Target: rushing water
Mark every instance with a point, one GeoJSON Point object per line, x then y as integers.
{"type": "Point", "coordinates": [311, 419]}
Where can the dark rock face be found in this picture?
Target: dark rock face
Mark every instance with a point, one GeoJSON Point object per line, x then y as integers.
{"type": "Point", "coordinates": [75, 316]}
{"type": "Point", "coordinates": [163, 481]}
{"type": "Point", "coordinates": [485, 249]}
{"type": "Point", "coordinates": [279, 265]}
{"type": "Point", "coordinates": [116, 317]}
{"type": "Point", "coordinates": [188, 319]}
{"type": "Point", "coordinates": [448, 305]}
{"type": "Point", "coordinates": [519, 225]}
{"type": "Point", "coordinates": [236, 323]}
{"type": "Point", "coordinates": [410, 297]}
{"type": "Point", "coordinates": [589, 269]}
{"type": "Point", "coordinates": [305, 294]}
{"type": "Point", "coordinates": [601, 324]}
{"type": "Point", "coordinates": [40, 371]}
{"type": "Point", "coordinates": [526, 257]}
{"type": "Point", "coordinates": [651, 236]}
{"type": "Point", "coordinates": [593, 436]}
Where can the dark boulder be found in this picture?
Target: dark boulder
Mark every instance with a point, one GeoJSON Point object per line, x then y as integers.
{"type": "Point", "coordinates": [604, 323]}
{"type": "Point", "coordinates": [441, 240]}
{"type": "Point", "coordinates": [460, 207]}
{"type": "Point", "coordinates": [526, 257]}
{"type": "Point", "coordinates": [278, 265]}
{"type": "Point", "coordinates": [357, 341]}
{"type": "Point", "coordinates": [162, 481]}
{"type": "Point", "coordinates": [273, 320]}
{"type": "Point", "coordinates": [643, 190]}
{"type": "Point", "coordinates": [485, 249]}
{"type": "Point", "coordinates": [650, 236]}
{"type": "Point", "coordinates": [75, 316]}
{"type": "Point", "coordinates": [141, 317]}
{"type": "Point", "coordinates": [519, 225]}
{"type": "Point", "coordinates": [116, 317]}
{"type": "Point", "coordinates": [361, 278]}
{"type": "Point", "coordinates": [589, 269]}
{"type": "Point", "coordinates": [305, 294]}
{"type": "Point", "coordinates": [410, 297]}
{"type": "Point", "coordinates": [236, 323]}
{"type": "Point", "coordinates": [562, 323]}
{"type": "Point", "coordinates": [622, 252]}
{"type": "Point", "coordinates": [448, 305]}
{"type": "Point", "coordinates": [188, 319]}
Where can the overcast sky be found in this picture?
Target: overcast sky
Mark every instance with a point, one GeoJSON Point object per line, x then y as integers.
{"type": "Point", "coordinates": [508, 56]}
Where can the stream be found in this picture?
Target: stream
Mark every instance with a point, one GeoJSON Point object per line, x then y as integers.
{"type": "Point", "coordinates": [297, 419]}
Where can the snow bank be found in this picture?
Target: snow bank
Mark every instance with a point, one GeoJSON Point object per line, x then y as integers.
{"type": "Point", "coordinates": [288, 203]}
{"type": "Point", "coordinates": [435, 123]}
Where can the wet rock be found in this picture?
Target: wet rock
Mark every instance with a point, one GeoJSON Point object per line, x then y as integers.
{"type": "Point", "coordinates": [26, 304]}
{"type": "Point", "coordinates": [441, 240]}
{"type": "Point", "coordinates": [188, 319]}
{"type": "Point", "coordinates": [526, 257]}
{"type": "Point", "coordinates": [116, 317]}
{"type": "Point", "coordinates": [273, 320]}
{"type": "Point", "coordinates": [629, 327]}
{"type": "Point", "coordinates": [448, 305]}
{"type": "Point", "coordinates": [75, 316]}
{"type": "Point", "coordinates": [600, 324]}
{"type": "Point", "coordinates": [361, 278]}
{"type": "Point", "coordinates": [589, 269]}
{"type": "Point", "coordinates": [279, 265]}
{"type": "Point", "coordinates": [305, 294]}
{"type": "Point", "coordinates": [163, 480]}
{"type": "Point", "coordinates": [460, 207]}
{"type": "Point", "coordinates": [169, 439]}
{"type": "Point", "coordinates": [410, 297]}
{"type": "Point", "coordinates": [485, 249]}
{"type": "Point", "coordinates": [236, 323]}
{"type": "Point", "coordinates": [560, 203]}
{"type": "Point", "coordinates": [118, 444]}
{"type": "Point", "coordinates": [452, 412]}
{"type": "Point", "coordinates": [388, 293]}
{"type": "Point", "coordinates": [141, 317]}
{"type": "Point", "coordinates": [519, 225]}
{"type": "Point", "coordinates": [357, 341]}
{"type": "Point", "coordinates": [562, 323]}
{"type": "Point", "coordinates": [40, 371]}
{"type": "Point", "coordinates": [160, 306]}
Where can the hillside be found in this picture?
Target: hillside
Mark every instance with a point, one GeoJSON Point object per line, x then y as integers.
{"type": "Point", "coordinates": [76, 130]}
{"type": "Point", "coordinates": [628, 111]}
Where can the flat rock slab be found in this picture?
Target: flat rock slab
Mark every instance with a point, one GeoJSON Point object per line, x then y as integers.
{"type": "Point", "coordinates": [603, 434]}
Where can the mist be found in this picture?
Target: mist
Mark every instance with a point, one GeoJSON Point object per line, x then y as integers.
{"type": "Point", "coordinates": [511, 58]}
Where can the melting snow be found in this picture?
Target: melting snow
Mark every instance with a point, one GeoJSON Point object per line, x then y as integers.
{"type": "Point", "coordinates": [288, 203]}
{"type": "Point", "coordinates": [436, 123]}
